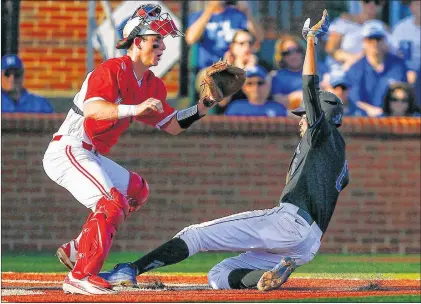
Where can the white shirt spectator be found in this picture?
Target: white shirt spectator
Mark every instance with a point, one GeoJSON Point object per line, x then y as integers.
{"type": "Point", "coordinates": [406, 39]}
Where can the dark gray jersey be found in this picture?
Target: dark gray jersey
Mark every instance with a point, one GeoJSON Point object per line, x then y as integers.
{"type": "Point", "coordinates": [318, 170]}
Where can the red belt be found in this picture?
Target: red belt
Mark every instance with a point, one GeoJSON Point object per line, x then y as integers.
{"type": "Point", "coordinates": [85, 145]}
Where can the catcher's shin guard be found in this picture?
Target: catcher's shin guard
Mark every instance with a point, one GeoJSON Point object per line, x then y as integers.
{"type": "Point", "coordinates": [97, 234]}
{"type": "Point", "coordinates": [137, 191]}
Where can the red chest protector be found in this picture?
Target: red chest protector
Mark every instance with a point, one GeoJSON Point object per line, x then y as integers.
{"type": "Point", "coordinates": [105, 133]}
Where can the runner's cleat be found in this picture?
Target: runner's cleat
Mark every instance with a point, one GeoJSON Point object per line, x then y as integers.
{"type": "Point", "coordinates": [273, 279]}
{"type": "Point", "coordinates": [122, 275]}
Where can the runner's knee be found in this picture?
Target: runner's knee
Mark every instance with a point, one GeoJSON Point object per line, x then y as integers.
{"type": "Point", "coordinates": [218, 276]}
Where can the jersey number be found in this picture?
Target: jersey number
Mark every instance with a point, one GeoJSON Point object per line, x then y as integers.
{"type": "Point", "coordinates": [342, 179]}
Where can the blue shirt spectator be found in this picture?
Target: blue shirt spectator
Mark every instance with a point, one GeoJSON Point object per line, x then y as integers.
{"type": "Point", "coordinates": [242, 107]}
{"type": "Point", "coordinates": [27, 103]}
{"type": "Point", "coordinates": [257, 89]}
{"type": "Point", "coordinates": [339, 85]}
{"type": "Point", "coordinates": [217, 33]}
{"type": "Point", "coordinates": [14, 97]}
{"type": "Point", "coordinates": [371, 75]}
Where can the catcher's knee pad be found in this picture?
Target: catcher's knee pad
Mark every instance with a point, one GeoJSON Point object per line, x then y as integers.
{"type": "Point", "coordinates": [98, 232]}
{"type": "Point", "coordinates": [137, 191]}
{"type": "Point", "coordinates": [218, 277]}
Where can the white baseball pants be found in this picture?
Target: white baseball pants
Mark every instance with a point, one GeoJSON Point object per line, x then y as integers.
{"type": "Point", "coordinates": [266, 235]}
{"type": "Point", "coordinates": [88, 176]}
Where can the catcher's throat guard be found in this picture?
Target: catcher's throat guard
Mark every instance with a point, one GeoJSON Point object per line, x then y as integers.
{"type": "Point", "coordinates": [147, 20]}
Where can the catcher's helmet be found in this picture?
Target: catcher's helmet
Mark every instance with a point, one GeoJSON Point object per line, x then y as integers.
{"type": "Point", "coordinates": [147, 20]}
{"type": "Point", "coordinates": [331, 104]}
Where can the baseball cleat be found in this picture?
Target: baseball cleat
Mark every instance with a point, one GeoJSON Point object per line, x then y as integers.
{"type": "Point", "coordinates": [274, 278]}
{"type": "Point", "coordinates": [90, 285]}
{"type": "Point", "coordinates": [122, 275]}
{"type": "Point", "coordinates": [67, 254]}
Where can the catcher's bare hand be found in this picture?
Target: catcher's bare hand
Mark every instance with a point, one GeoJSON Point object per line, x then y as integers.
{"type": "Point", "coordinates": [149, 105]}
{"type": "Point", "coordinates": [318, 29]}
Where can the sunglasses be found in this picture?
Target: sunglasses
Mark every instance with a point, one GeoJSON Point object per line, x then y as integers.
{"type": "Point", "coordinates": [377, 2]}
{"type": "Point", "coordinates": [394, 99]}
{"type": "Point", "coordinates": [378, 39]}
{"type": "Point", "coordinates": [343, 88]}
{"type": "Point", "coordinates": [251, 83]}
{"type": "Point", "coordinates": [241, 43]}
{"type": "Point", "coordinates": [14, 72]}
{"type": "Point", "coordinates": [291, 51]}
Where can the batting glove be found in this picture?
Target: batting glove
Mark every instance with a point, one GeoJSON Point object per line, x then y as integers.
{"type": "Point", "coordinates": [317, 30]}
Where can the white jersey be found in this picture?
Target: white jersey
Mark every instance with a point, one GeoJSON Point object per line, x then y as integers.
{"type": "Point", "coordinates": [406, 39]}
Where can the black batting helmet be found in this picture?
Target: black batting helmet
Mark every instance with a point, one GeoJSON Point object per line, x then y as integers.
{"type": "Point", "coordinates": [331, 104]}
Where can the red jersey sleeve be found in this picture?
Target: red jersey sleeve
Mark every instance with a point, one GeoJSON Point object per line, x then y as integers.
{"type": "Point", "coordinates": [103, 83]}
{"type": "Point", "coordinates": [156, 119]}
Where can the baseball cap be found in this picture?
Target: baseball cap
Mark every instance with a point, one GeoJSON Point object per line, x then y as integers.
{"type": "Point", "coordinates": [373, 29]}
{"type": "Point", "coordinates": [257, 70]}
{"type": "Point", "coordinates": [331, 104]}
{"type": "Point", "coordinates": [338, 79]}
{"type": "Point", "coordinates": [11, 61]}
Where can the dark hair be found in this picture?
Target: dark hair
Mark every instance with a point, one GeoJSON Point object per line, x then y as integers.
{"type": "Point", "coordinates": [412, 106]}
{"type": "Point", "coordinates": [253, 39]}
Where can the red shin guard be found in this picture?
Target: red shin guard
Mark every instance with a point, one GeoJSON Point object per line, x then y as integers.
{"type": "Point", "coordinates": [97, 234]}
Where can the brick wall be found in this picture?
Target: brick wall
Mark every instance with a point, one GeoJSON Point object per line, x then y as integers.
{"type": "Point", "coordinates": [52, 45]}
{"type": "Point", "coordinates": [218, 167]}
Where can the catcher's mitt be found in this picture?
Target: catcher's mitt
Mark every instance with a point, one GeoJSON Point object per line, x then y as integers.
{"type": "Point", "coordinates": [221, 80]}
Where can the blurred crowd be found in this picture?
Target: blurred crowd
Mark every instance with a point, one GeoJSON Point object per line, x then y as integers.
{"type": "Point", "coordinates": [373, 68]}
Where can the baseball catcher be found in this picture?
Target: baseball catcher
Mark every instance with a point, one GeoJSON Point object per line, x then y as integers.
{"type": "Point", "coordinates": [119, 91]}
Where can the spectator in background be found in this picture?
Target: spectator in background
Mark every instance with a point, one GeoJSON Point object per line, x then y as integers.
{"type": "Point", "coordinates": [417, 88]}
{"type": "Point", "coordinates": [339, 85]}
{"type": "Point", "coordinates": [241, 53]}
{"type": "Point", "coordinates": [214, 28]}
{"type": "Point", "coordinates": [287, 81]}
{"type": "Point", "coordinates": [14, 97]}
{"type": "Point", "coordinates": [371, 75]}
{"type": "Point", "coordinates": [257, 89]}
{"type": "Point", "coordinates": [406, 39]}
{"type": "Point", "coordinates": [344, 43]}
{"type": "Point", "coordinates": [400, 101]}
{"type": "Point", "coordinates": [267, 47]}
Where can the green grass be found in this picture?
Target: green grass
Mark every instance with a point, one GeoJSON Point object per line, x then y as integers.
{"type": "Point", "coordinates": [373, 299]}
{"type": "Point", "coordinates": [203, 262]}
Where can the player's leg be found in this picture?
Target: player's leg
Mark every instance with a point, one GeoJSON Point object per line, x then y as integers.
{"type": "Point", "coordinates": [129, 183]}
{"type": "Point", "coordinates": [246, 270]}
{"type": "Point", "coordinates": [82, 175]}
{"type": "Point", "coordinates": [271, 230]}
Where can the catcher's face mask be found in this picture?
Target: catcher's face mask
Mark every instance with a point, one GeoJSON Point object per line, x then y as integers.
{"type": "Point", "coordinates": [148, 20]}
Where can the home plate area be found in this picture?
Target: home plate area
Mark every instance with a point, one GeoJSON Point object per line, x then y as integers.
{"type": "Point", "coordinates": [46, 287]}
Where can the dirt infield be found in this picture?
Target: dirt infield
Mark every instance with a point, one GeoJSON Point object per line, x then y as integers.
{"type": "Point", "coordinates": [35, 287]}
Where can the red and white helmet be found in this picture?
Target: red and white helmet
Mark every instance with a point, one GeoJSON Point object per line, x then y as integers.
{"type": "Point", "coordinates": [147, 20]}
